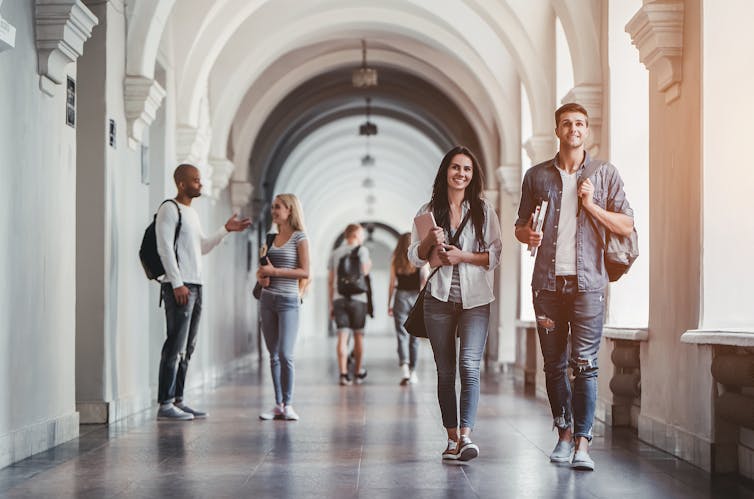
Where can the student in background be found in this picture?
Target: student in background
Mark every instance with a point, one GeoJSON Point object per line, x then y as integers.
{"type": "Point", "coordinates": [405, 283]}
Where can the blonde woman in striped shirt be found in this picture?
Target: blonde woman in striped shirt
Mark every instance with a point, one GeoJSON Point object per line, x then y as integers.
{"type": "Point", "coordinates": [283, 277]}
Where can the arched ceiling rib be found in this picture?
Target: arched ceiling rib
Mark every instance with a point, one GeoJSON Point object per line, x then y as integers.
{"type": "Point", "coordinates": [331, 97]}
{"type": "Point", "coordinates": [279, 80]}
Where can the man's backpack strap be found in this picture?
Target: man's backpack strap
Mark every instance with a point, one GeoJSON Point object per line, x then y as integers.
{"type": "Point", "coordinates": [175, 237]}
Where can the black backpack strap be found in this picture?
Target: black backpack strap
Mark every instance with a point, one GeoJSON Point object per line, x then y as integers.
{"type": "Point", "coordinates": [175, 237]}
{"type": "Point", "coordinates": [177, 226]}
{"type": "Point", "coordinates": [270, 239]}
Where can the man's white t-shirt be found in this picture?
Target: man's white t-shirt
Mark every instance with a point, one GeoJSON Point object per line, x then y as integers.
{"type": "Point", "coordinates": [565, 252]}
{"type": "Point", "coordinates": [192, 244]}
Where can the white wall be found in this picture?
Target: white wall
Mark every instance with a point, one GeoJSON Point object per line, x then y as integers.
{"type": "Point", "coordinates": [629, 152]}
{"type": "Point", "coordinates": [37, 261]}
{"type": "Point", "coordinates": [728, 103]}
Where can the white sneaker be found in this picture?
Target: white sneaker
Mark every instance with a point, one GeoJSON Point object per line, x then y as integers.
{"type": "Point", "coordinates": [405, 375]}
{"type": "Point", "coordinates": [413, 378]}
{"type": "Point", "coordinates": [289, 413]}
{"type": "Point", "coordinates": [451, 451]}
{"type": "Point", "coordinates": [276, 412]}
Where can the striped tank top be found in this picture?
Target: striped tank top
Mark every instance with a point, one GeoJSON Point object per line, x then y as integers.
{"type": "Point", "coordinates": [285, 257]}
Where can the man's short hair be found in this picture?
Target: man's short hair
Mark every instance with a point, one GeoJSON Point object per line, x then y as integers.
{"type": "Point", "coordinates": [351, 230]}
{"type": "Point", "coordinates": [570, 107]}
{"type": "Point", "coordinates": [181, 171]}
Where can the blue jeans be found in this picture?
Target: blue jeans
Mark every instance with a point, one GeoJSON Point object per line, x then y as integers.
{"type": "Point", "coordinates": [582, 314]}
{"type": "Point", "coordinates": [408, 346]}
{"type": "Point", "coordinates": [443, 320]}
{"type": "Point", "coordinates": [280, 329]}
{"type": "Point", "coordinates": [182, 323]}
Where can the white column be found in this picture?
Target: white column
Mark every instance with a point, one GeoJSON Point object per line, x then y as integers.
{"type": "Point", "coordinates": [143, 97]}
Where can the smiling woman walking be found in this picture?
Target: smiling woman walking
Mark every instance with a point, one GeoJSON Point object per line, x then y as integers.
{"type": "Point", "coordinates": [466, 243]}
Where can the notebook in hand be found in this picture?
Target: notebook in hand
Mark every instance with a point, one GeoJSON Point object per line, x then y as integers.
{"type": "Point", "coordinates": [424, 224]}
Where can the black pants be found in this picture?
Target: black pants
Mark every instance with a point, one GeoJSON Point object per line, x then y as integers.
{"type": "Point", "coordinates": [182, 325]}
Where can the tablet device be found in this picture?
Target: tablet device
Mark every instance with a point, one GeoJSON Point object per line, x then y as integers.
{"type": "Point", "coordinates": [424, 224]}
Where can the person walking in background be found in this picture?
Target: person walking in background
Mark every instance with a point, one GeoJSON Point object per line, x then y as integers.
{"type": "Point", "coordinates": [569, 278]}
{"type": "Point", "coordinates": [405, 283]}
{"type": "Point", "coordinates": [283, 278]}
{"type": "Point", "coordinates": [348, 267]}
{"type": "Point", "coordinates": [182, 287]}
{"type": "Point", "coordinates": [459, 295]}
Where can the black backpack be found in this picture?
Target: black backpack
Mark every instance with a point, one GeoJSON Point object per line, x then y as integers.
{"type": "Point", "coordinates": [351, 279]}
{"type": "Point", "coordinates": [150, 258]}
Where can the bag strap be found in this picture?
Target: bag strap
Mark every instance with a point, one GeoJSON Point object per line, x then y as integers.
{"type": "Point", "coordinates": [175, 237]}
{"type": "Point", "coordinates": [453, 242]}
{"type": "Point", "coordinates": [589, 170]}
{"type": "Point", "coordinates": [177, 226]}
{"type": "Point", "coordinates": [270, 239]}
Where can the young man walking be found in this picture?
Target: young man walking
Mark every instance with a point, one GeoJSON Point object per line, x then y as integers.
{"type": "Point", "coordinates": [349, 307]}
{"type": "Point", "coordinates": [569, 279]}
{"type": "Point", "coordinates": [182, 287]}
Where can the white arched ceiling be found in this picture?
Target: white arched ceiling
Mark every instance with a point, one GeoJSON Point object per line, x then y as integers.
{"type": "Point", "coordinates": [298, 67]}
{"type": "Point", "coordinates": [146, 23]}
{"type": "Point", "coordinates": [580, 27]}
{"type": "Point", "coordinates": [529, 62]}
{"type": "Point", "coordinates": [325, 172]}
{"type": "Point", "coordinates": [231, 76]}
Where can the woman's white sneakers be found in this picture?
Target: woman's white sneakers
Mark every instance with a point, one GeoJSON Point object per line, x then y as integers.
{"type": "Point", "coordinates": [280, 412]}
{"type": "Point", "coordinates": [463, 450]}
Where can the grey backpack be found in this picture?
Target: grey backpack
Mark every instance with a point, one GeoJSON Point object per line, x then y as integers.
{"type": "Point", "coordinates": [620, 251]}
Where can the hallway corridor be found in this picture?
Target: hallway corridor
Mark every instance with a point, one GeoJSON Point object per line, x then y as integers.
{"type": "Point", "coordinates": [378, 440]}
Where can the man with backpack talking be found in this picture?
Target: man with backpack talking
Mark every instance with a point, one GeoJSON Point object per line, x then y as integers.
{"type": "Point", "coordinates": [348, 268]}
{"type": "Point", "coordinates": [584, 206]}
{"type": "Point", "coordinates": [180, 245]}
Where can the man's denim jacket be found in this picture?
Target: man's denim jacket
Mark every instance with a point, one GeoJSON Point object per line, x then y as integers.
{"type": "Point", "coordinates": [543, 181]}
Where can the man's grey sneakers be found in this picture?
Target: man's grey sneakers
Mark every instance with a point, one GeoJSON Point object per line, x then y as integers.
{"type": "Point", "coordinates": [562, 452]}
{"type": "Point", "coordinates": [276, 412]}
{"type": "Point", "coordinates": [196, 413]}
{"type": "Point", "coordinates": [173, 413]}
{"type": "Point", "coordinates": [289, 414]}
{"type": "Point", "coordinates": [582, 461]}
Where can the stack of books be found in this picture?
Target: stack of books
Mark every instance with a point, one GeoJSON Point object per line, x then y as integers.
{"type": "Point", "coordinates": [538, 222]}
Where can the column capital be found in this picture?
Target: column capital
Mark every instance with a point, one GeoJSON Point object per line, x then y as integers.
{"type": "Point", "coordinates": [590, 96]}
{"type": "Point", "coordinates": [143, 97]}
{"type": "Point", "coordinates": [657, 31]}
{"type": "Point", "coordinates": [220, 171]}
{"type": "Point", "coordinates": [62, 27]}
{"type": "Point", "coordinates": [240, 194]}
{"type": "Point", "coordinates": [7, 34]}
{"type": "Point", "coordinates": [509, 177]}
{"type": "Point", "coordinates": [541, 148]}
{"type": "Point", "coordinates": [191, 144]}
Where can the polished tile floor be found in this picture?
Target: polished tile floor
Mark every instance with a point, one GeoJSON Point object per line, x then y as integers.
{"type": "Point", "coordinates": [377, 440]}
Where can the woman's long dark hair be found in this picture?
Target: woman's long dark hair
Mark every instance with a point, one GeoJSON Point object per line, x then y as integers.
{"type": "Point", "coordinates": [474, 194]}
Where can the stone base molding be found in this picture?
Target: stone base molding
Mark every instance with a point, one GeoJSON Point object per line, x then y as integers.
{"type": "Point", "coordinates": [39, 437]}
{"type": "Point", "coordinates": [688, 446]}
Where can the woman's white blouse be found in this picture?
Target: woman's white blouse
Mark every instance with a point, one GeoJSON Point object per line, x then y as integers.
{"type": "Point", "coordinates": [477, 283]}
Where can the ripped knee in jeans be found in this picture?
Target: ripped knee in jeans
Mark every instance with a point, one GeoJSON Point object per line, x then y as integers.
{"type": "Point", "coordinates": [581, 364]}
{"type": "Point", "coordinates": [546, 323]}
